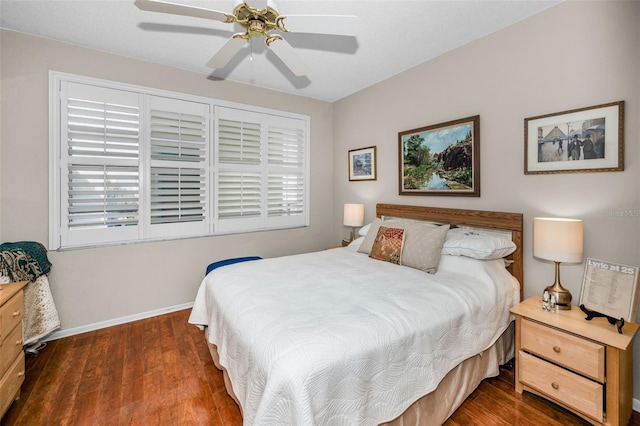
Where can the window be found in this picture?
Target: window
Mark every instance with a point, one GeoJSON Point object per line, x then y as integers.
{"type": "Point", "coordinates": [134, 164]}
{"type": "Point", "coordinates": [261, 179]}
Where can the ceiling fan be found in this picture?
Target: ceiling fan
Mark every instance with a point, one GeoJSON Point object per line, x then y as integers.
{"type": "Point", "coordinates": [259, 18]}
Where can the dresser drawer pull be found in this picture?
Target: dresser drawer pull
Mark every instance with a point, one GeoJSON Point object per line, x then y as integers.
{"type": "Point", "coordinates": [19, 342]}
{"type": "Point", "coordinates": [20, 373]}
{"type": "Point", "coordinates": [16, 313]}
{"type": "Point", "coordinates": [556, 349]}
{"type": "Point", "coordinates": [555, 385]}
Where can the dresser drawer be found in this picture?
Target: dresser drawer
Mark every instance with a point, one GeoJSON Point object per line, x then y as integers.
{"type": "Point", "coordinates": [10, 348]}
{"type": "Point", "coordinates": [11, 314]}
{"type": "Point", "coordinates": [578, 354]}
{"type": "Point", "coordinates": [11, 382]}
{"type": "Point", "coordinates": [570, 389]}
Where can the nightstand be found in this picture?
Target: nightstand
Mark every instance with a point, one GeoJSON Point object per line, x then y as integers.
{"type": "Point", "coordinates": [583, 366]}
{"type": "Point", "coordinates": [343, 243]}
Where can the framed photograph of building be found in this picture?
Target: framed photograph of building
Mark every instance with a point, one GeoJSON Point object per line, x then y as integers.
{"type": "Point", "coordinates": [362, 163]}
{"type": "Point", "coordinates": [441, 159]}
{"type": "Point", "coordinates": [588, 139]}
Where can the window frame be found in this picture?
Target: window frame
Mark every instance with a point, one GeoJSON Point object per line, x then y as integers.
{"type": "Point", "coordinates": [57, 166]}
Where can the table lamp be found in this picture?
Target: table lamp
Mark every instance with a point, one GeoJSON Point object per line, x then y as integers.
{"type": "Point", "coordinates": [353, 216]}
{"type": "Point", "coordinates": [559, 240]}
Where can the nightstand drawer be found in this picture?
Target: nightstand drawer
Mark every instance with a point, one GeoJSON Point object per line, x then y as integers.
{"type": "Point", "coordinates": [578, 354]}
{"type": "Point", "coordinates": [570, 389]}
{"type": "Point", "coordinates": [11, 314]}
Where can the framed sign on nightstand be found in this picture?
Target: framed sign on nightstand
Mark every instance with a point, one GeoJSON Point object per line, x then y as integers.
{"type": "Point", "coordinates": [610, 289]}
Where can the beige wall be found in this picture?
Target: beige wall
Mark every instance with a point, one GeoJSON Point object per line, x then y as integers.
{"type": "Point", "coordinates": [101, 284]}
{"type": "Point", "coordinates": [574, 55]}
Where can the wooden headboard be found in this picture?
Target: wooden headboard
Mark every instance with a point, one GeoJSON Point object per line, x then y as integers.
{"type": "Point", "coordinates": [459, 217]}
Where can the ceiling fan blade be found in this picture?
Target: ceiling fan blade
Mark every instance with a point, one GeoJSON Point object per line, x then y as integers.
{"type": "Point", "coordinates": [180, 9]}
{"type": "Point", "coordinates": [285, 52]}
{"type": "Point", "coordinates": [226, 52]}
{"type": "Point", "coordinates": [346, 25]}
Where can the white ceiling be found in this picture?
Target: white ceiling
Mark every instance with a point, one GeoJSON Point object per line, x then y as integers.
{"type": "Point", "coordinates": [393, 36]}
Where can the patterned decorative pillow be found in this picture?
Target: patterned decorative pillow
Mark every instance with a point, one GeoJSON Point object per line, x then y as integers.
{"type": "Point", "coordinates": [387, 245]}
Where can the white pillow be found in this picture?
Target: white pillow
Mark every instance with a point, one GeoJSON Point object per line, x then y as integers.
{"type": "Point", "coordinates": [355, 244]}
{"type": "Point", "coordinates": [363, 231]}
{"type": "Point", "coordinates": [477, 244]}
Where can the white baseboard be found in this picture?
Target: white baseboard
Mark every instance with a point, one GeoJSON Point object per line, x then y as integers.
{"type": "Point", "coordinates": [117, 321]}
{"type": "Point", "coordinates": [636, 405]}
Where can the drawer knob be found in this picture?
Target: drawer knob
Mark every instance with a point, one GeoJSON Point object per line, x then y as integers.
{"type": "Point", "coordinates": [21, 373]}
{"type": "Point", "coordinates": [556, 349]}
{"type": "Point", "coordinates": [16, 313]}
{"type": "Point", "coordinates": [19, 342]}
{"type": "Point", "coordinates": [555, 385]}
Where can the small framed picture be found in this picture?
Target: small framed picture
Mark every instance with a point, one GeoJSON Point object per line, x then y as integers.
{"type": "Point", "coordinates": [362, 164]}
{"type": "Point", "coordinates": [610, 289]}
{"type": "Point", "coordinates": [588, 139]}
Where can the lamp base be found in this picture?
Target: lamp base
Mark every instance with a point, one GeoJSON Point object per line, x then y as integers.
{"type": "Point", "coordinates": [562, 296]}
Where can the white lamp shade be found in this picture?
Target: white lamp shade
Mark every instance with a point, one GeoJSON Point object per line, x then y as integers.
{"type": "Point", "coordinates": [557, 239]}
{"type": "Point", "coordinates": [353, 214]}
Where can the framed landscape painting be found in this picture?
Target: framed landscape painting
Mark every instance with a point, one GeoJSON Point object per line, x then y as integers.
{"type": "Point", "coordinates": [588, 139]}
{"type": "Point", "coordinates": [441, 159]}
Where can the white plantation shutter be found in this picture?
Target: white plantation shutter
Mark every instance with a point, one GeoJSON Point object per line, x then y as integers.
{"type": "Point", "coordinates": [100, 187]}
{"type": "Point", "coordinates": [239, 142]}
{"type": "Point", "coordinates": [129, 163]}
{"type": "Point", "coordinates": [285, 195]}
{"type": "Point", "coordinates": [261, 177]}
{"type": "Point", "coordinates": [177, 195]}
{"type": "Point", "coordinates": [102, 196]}
{"type": "Point", "coordinates": [239, 195]}
{"type": "Point", "coordinates": [179, 168]}
{"type": "Point", "coordinates": [239, 178]}
{"type": "Point", "coordinates": [286, 153]}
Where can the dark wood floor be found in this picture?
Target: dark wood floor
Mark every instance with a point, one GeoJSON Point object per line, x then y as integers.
{"type": "Point", "coordinates": [158, 371]}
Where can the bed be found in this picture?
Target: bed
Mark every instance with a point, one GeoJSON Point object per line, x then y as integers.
{"type": "Point", "coordinates": [338, 337]}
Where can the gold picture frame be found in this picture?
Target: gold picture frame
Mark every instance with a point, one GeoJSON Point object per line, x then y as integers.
{"type": "Point", "coordinates": [587, 139]}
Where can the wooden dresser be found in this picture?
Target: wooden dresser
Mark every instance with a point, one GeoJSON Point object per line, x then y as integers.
{"type": "Point", "coordinates": [11, 354]}
{"type": "Point", "coordinates": [584, 366]}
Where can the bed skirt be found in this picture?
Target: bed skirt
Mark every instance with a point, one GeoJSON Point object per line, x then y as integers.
{"type": "Point", "coordinates": [435, 407]}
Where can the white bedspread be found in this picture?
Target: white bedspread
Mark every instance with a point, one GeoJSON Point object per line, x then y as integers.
{"type": "Point", "coordinates": [336, 338]}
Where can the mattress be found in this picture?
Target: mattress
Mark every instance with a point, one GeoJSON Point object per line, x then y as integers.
{"type": "Point", "coordinates": [335, 337]}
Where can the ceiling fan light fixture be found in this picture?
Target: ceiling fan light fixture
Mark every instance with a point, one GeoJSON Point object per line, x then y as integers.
{"type": "Point", "coordinates": [256, 28]}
